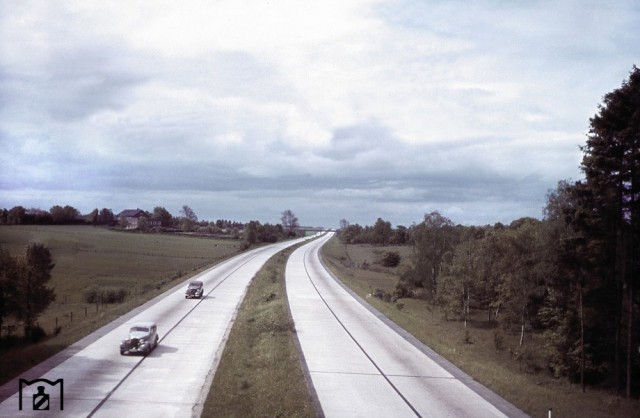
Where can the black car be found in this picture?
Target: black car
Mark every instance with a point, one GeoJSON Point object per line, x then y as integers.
{"type": "Point", "coordinates": [194, 290]}
{"type": "Point", "coordinates": [142, 338]}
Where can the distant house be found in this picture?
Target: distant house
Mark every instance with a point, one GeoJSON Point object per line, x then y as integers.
{"type": "Point", "coordinates": [131, 219]}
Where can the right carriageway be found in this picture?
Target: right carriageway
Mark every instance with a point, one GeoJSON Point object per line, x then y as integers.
{"type": "Point", "coordinates": [361, 365]}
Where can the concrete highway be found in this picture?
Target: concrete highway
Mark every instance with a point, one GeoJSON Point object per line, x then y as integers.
{"type": "Point", "coordinates": [172, 381]}
{"type": "Point", "coordinates": [360, 365]}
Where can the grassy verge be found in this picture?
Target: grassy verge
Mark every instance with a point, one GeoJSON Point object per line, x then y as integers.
{"type": "Point", "coordinates": [94, 259]}
{"type": "Point", "coordinates": [489, 355]}
{"type": "Point", "coordinates": [260, 373]}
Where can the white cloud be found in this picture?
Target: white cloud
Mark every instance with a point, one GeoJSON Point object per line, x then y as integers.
{"type": "Point", "coordinates": [389, 108]}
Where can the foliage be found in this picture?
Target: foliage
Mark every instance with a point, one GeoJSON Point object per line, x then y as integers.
{"type": "Point", "coordinates": [24, 294]}
{"type": "Point", "coordinates": [381, 233]}
{"type": "Point", "coordinates": [573, 276]}
{"type": "Point", "coordinates": [289, 222]}
{"type": "Point", "coordinates": [391, 259]}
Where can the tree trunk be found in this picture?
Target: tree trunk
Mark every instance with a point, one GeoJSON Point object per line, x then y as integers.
{"type": "Point", "coordinates": [522, 327]}
{"type": "Point", "coordinates": [581, 343]}
{"type": "Point", "coordinates": [629, 332]}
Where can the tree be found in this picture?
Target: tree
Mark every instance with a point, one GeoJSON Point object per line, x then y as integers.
{"type": "Point", "coordinates": [9, 273]}
{"type": "Point", "coordinates": [251, 232]}
{"type": "Point", "coordinates": [163, 215]}
{"type": "Point", "coordinates": [189, 219]}
{"type": "Point", "coordinates": [344, 223]}
{"type": "Point", "coordinates": [64, 215]}
{"type": "Point", "coordinates": [611, 164]}
{"type": "Point", "coordinates": [33, 295]}
{"type": "Point", "coordinates": [433, 239]}
{"type": "Point", "coordinates": [382, 232]}
{"type": "Point", "coordinates": [289, 222]}
{"type": "Point", "coordinates": [106, 217]}
{"type": "Point", "coordinates": [16, 215]}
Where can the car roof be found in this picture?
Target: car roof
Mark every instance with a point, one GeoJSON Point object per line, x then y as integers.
{"type": "Point", "coordinates": [196, 282]}
{"type": "Point", "coordinates": [147, 324]}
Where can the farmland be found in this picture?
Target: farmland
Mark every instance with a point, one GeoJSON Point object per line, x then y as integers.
{"type": "Point", "coordinates": [97, 261]}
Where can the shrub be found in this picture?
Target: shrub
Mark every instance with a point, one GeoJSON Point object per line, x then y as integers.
{"type": "Point", "coordinates": [102, 295]}
{"type": "Point", "coordinates": [391, 259]}
{"type": "Point", "coordinates": [37, 333]}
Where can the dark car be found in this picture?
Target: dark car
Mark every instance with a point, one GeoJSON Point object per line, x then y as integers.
{"type": "Point", "coordinates": [194, 290]}
{"type": "Point", "coordinates": [142, 338]}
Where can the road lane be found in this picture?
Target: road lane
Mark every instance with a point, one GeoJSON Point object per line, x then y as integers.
{"type": "Point", "coordinates": [361, 366]}
{"type": "Point", "coordinates": [170, 382]}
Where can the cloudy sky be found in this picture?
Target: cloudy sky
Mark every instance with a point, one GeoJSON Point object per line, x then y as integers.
{"type": "Point", "coordinates": [333, 109]}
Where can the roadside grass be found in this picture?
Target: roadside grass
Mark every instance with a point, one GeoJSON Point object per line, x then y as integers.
{"type": "Point", "coordinates": [86, 258]}
{"type": "Point", "coordinates": [488, 354]}
{"type": "Point", "coordinates": [259, 374]}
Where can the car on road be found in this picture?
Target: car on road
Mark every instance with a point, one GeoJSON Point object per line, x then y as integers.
{"type": "Point", "coordinates": [195, 290]}
{"type": "Point", "coordinates": [142, 338]}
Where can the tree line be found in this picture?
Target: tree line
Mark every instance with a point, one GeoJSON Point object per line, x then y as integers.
{"type": "Point", "coordinates": [572, 276]}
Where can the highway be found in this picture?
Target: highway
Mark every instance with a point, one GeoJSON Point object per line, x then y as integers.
{"type": "Point", "coordinates": [172, 381]}
{"type": "Point", "coordinates": [361, 365]}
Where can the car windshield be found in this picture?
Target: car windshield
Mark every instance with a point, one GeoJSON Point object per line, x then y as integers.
{"type": "Point", "coordinates": [194, 285]}
{"type": "Point", "coordinates": [140, 329]}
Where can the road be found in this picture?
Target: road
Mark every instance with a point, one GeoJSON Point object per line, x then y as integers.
{"type": "Point", "coordinates": [172, 381]}
{"type": "Point", "coordinates": [360, 365]}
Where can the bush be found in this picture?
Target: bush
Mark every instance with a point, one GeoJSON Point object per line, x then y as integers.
{"type": "Point", "coordinates": [391, 259]}
{"type": "Point", "coordinates": [105, 295]}
{"type": "Point", "coordinates": [37, 333]}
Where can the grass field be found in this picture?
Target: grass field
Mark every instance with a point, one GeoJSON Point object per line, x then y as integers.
{"type": "Point", "coordinates": [513, 372]}
{"type": "Point", "coordinates": [259, 374]}
{"type": "Point", "coordinates": [88, 258]}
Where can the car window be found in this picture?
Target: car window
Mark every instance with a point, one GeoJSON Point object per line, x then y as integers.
{"type": "Point", "coordinates": [141, 329]}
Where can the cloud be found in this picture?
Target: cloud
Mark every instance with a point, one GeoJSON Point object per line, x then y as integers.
{"type": "Point", "coordinates": [356, 110]}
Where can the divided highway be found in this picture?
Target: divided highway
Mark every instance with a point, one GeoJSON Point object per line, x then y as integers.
{"type": "Point", "coordinates": [363, 366]}
{"type": "Point", "coordinates": [172, 381]}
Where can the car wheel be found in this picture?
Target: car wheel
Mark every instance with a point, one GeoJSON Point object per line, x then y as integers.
{"type": "Point", "coordinates": [122, 352]}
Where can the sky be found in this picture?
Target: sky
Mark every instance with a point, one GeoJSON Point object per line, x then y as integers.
{"type": "Point", "coordinates": [335, 110]}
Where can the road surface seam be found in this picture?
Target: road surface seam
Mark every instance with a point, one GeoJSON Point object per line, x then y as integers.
{"type": "Point", "coordinates": [304, 261]}
{"type": "Point", "coordinates": [106, 398]}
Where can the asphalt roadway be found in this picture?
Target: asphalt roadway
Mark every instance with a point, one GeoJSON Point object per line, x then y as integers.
{"type": "Point", "coordinates": [172, 381]}
{"type": "Point", "coordinates": [361, 365]}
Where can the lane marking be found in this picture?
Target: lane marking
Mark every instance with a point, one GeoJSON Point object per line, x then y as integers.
{"type": "Point", "coordinates": [106, 398]}
{"type": "Point", "coordinates": [304, 262]}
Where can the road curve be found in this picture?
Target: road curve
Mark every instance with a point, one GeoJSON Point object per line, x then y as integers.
{"type": "Point", "coordinates": [172, 381]}
{"type": "Point", "coordinates": [362, 366]}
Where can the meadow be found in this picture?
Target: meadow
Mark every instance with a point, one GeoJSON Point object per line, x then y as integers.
{"type": "Point", "coordinates": [490, 355]}
{"type": "Point", "coordinates": [98, 261]}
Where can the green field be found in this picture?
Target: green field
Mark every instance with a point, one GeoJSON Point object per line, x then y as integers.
{"type": "Point", "coordinates": [516, 373]}
{"type": "Point", "coordinates": [88, 258]}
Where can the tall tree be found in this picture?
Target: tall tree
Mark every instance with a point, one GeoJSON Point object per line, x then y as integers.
{"type": "Point", "coordinates": [382, 232]}
{"type": "Point", "coordinates": [433, 239]}
{"type": "Point", "coordinates": [33, 294]}
{"type": "Point", "coordinates": [289, 221]}
{"type": "Point", "coordinates": [163, 215]}
{"type": "Point", "coordinates": [9, 273]}
{"type": "Point", "coordinates": [189, 218]}
{"type": "Point", "coordinates": [611, 164]}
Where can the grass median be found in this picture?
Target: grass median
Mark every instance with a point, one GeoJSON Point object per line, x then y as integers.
{"type": "Point", "coordinates": [260, 372]}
